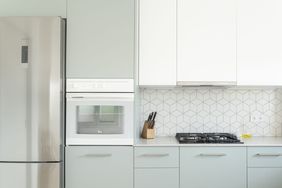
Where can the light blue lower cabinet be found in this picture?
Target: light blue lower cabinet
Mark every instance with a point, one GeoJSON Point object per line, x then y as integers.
{"type": "Point", "coordinates": [157, 178]}
{"type": "Point", "coordinates": [161, 167]}
{"type": "Point", "coordinates": [99, 167]}
{"type": "Point", "coordinates": [265, 167]}
{"type": "Point", "coordinates": [156, 167]}
{"type": "Point", "coordinates": [213, 167]}
{"type": "Point", "coordinates": [264, 177]}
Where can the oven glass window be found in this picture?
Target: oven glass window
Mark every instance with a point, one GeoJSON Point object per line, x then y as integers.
{"type": "Point", "coordinates": [100, 119]}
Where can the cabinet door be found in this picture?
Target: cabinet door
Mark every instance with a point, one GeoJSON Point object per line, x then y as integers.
{"type": "Point", "coordinates": [215, 167]}
{"type": "Point", "coordinates": [260, 42]}
{"type": "Point", "coordinates": [264, 178]}
{"type": "Point", "coordinates": [33, 8]}
{"type": "Point", "coordinates": [100, 38]}
{"type": "Point", "coordinates": [99, 166]}
{"type": "Point", "coordinates": [157, 42]}
{"type": "Point", "coordinates": [206, 42]}
{"type": "Point", "coordinates": [156, 178]}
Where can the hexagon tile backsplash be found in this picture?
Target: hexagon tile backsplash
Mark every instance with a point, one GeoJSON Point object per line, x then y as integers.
{"type": "Point", "coordinates": [255, 111]}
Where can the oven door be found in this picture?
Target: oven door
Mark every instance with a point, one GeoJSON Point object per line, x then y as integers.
{"type": "Point", "coordinates": [99, 118]}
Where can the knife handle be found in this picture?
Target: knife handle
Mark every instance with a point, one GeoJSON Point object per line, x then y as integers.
{"type": "Point", "coordinates": [154, 116]}
{"type": "Point", "coordinates": [150, 118]}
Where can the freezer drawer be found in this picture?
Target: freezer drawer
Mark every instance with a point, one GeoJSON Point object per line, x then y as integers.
{"type": "Point", "coordinates": [30, 175]}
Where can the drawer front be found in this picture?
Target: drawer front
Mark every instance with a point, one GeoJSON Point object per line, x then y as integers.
{"type": "Point", "coordinates": [265, 156]}
{"type": "Point", "coordinates": [213, 167]}
{"type": "Point", "coordinates": [147, 157]}
{"type": "Point", "coordinates": [99, 167]}
{"type": "Point", "coordinates": [156, 178]}
{"type": "Point", "coordinates": [264, 178]}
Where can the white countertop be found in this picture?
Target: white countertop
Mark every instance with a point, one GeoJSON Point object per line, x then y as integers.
{"type": "Point", "coordinates": [250, 142]}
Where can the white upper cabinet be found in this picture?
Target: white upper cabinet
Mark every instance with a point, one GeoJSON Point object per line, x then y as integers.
{"type": "Point", "coordinates": [206, 42]}
{"type": "Point", "coordinates": [33, 8]}
{"type": "Point", "coordinates": [157, 42]}
{"type": "Point", "coordinates": [100, 39]}
{"type": "Point", "coordinates": [260, 42]}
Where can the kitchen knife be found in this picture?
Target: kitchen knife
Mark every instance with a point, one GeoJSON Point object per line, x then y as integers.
{"type": "Point", "coordinates": [150, 117]}
{"type": "Point", "coordinates": [153, 120]}
{"type": "Point", "coordinates": [154, 116]}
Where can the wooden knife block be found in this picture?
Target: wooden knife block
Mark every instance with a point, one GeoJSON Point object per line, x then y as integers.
{"type": "Point", "coordinates": [148, 133]}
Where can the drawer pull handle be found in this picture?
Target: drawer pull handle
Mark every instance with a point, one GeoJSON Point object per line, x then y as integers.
{"type": "Point", "coordinates": [98, 155]}
{"type": "Point", "coordinates": [269, 154]}
{"type": "Point", "coordinates": [155, 155]}
{"type": "Point", "coordinates": [212, 154]}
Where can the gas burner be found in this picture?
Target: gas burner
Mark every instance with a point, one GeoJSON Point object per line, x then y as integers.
{"type": "Point", "coordinates": [201, 138]}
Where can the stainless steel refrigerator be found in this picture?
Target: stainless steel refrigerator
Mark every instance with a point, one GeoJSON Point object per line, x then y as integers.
{"type": "Point", "coordinates": [31, 102]}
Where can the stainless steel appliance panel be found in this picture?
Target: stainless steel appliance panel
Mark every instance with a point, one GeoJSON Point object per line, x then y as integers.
{"type": "Point", "coordinates": [30, 89]}
{"type": "Point", "coordinates": [30, 175]}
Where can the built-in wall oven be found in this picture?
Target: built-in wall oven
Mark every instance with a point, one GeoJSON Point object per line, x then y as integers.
{"type": "Point", "coordinates": [99, 112]}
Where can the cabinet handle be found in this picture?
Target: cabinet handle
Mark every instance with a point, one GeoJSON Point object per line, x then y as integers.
{"type": "Point", "coordinates": [98, 155]}
{"type": "Point", "coordinates": [155, 155]}
{"type": "Point", "coordinates": [269, 154]}
{"type": "Point", "coordinates": [212, 154]}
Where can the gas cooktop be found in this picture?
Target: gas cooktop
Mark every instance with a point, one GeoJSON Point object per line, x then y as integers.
{"type": "Point", "coordinates": [209, 138]}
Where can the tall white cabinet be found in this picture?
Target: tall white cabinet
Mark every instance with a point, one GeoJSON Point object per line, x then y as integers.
{"type": "Point", "coordinates": [259, 42]}
{"type": "Point", "coordinates": [157, 42]}
{"type": "Point", "coordinates": [206, 38]}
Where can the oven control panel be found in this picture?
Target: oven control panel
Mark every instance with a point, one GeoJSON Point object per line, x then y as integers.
{"type": "Point", "coordinates": [100, 85]}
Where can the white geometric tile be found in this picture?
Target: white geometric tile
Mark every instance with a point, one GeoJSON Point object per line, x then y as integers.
{"type": "Point", "coordinates": [213, 110]}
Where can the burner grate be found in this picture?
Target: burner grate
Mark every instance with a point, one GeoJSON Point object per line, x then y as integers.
{"type": "Point", "coordinates": [200, 138]}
